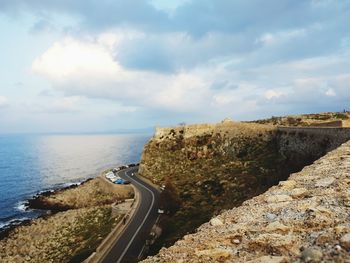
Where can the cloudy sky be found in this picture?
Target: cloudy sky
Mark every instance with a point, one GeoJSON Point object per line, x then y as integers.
{"type": "Point", "coordinates": [104, 65]}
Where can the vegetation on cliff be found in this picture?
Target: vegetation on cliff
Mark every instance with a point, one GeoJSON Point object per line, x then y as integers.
{"type": "Point", "coordinates": [210, 172]}
{"type": "Point", "coordinates": [303, 219]}
{"type": "Point", "coordinates": [210, 168]}
{"type": "Point", "coordinates": [327, 119]}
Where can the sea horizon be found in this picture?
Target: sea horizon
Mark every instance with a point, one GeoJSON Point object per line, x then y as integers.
{"type": "Point", "coordinates": [31, 163]}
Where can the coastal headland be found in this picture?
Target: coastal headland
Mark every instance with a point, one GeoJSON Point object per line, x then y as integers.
{"type": "Point", "coordinates": [211, 168]}
{"type": "Point", "coordinates": [274, 190]}
{"type": "Point", "coordinates": [78, 219]}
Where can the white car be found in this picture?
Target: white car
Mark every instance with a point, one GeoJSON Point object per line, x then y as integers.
{"type": "Point", "coordinates": [110, 175]}
{"type": "Point", "coordinates": [115, 178]}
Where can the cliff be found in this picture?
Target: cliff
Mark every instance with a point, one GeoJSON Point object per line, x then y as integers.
{"type": "Point", "coordinates": [207, 169]}
{"type": "Point", "coordinates": [303, 219]}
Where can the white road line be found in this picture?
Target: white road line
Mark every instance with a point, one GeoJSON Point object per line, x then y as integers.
{"type": "Point", "coordinates": [143, 248]}
{"type": "Point", "coordinates": [140, 226]}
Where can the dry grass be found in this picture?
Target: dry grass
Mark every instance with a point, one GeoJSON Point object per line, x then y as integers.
{"type": "Point", "coordinates": [95, 192]}
{"type": "Point", "coordinates": [69, 236]}
{"type": "Point", "coordinates": [327, 119]}
{"type": "Point", "coordinates": [346, 123]}
{"type": "Point", "coordinates": [58, 238]}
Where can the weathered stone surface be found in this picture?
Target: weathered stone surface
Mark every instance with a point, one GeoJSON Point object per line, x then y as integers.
{"type": "Point", "coordinates": [325, 182]}
{"type": "Point", "coordinates": [268, 259]}
{"type": "Point", "coordinates": [215, 254]}
{"type": "Point", "coordinates": [312, 255]}
{"type": "Point", "coordinates": [345, 241]}
{"type": "Point", "coordinates": [277, 227]}
{"type": "Point", "coordinates": [216, 222]}
{"type": "Point", "coordinates": [278, 198]}
{"type": "Point", "coordinates": [299, 192]}
{"type": "Point", "coordinates": [292, 222]}
{"type": "Point", "coordinates": [290, 184]}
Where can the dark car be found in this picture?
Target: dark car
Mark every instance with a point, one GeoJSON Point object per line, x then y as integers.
{"type": "Point", "coordinates": [126, 182]}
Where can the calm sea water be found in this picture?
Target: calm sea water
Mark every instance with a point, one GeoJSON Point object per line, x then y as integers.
{"type": "Point", "coordinates": [33, 163]}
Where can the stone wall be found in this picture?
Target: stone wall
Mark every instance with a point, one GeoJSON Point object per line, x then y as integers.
{"type": "Point", "coordinates": [334, 124]}
{"type": "Point", "coordinates": [301, 146]}
{"type": "Point", "coordinates": [186, 130]}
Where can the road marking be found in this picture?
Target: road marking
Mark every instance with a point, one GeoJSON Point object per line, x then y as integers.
{"type": "Point", "coordinates": [143, 222]}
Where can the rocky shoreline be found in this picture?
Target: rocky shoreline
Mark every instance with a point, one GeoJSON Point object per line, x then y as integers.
{"type": "Point", "coordinates": [36, 203]}
{"type": "Point", "coordinates": [39, 201]}
{"type": "Point", "coordinates": [75, 220]}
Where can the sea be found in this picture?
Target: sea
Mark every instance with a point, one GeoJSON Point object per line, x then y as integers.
{"type": "Point", "coordinates": [31, 164]}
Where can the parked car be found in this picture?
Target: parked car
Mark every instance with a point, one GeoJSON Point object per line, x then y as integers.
{"type": "Point", "coordinates": [110, 175]}
{"type": "Point", "coordinates": [126, 182]}
{"type": "Point", "coordinates": [114, 179]}
{"type": "Point", "coordinates": [119, 181]}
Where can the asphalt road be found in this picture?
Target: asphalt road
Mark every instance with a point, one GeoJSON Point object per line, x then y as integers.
{"type": "Point", "coordinates": [132, 240]}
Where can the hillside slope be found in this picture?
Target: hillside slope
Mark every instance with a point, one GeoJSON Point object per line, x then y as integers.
{"type": "Point", "coordinates": [207, 169]}
{"type": "Point", "coordinates": [303, 219]}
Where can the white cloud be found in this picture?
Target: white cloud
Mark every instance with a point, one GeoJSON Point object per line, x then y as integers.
{"type": "Point", "coordinates": [330, 93]}
{"type": "Point", "coordinates": [3, 101]}
{"type": "Point", "coordinates": [278, 37]}
{"type": "Point", "coordinates": [66, 104]}
{"type": "Point", "coordinates": [71, 57]}
{"type": "Point", "coordinates": [88, 68]}
{"type": "Point", "coordinates": [168, 6]}
{"type": "Point", "coordinates": [270, 94]}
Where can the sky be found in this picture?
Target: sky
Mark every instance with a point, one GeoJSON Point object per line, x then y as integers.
{"type": "Point", "coordinates": [110, 65]}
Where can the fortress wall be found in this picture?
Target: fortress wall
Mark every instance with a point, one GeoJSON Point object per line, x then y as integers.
{"type": "Point", "coordinates": [302, 146]}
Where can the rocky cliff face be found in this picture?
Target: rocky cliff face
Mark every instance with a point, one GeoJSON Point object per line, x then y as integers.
{"type": "Point", "coordinates": [210, 168]}
{"type": "Point", "coordinates": [303, 219]}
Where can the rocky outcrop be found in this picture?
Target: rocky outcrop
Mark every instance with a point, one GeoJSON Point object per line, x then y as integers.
{"type": "Point", "coordinates": [303, 219]}
{"type": "Point", "coordinates": [211, 167]}
{"type": "Point", "coordinates": [93, 192]}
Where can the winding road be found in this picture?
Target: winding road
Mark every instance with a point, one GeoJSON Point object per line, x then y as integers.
{"type": "Point", "coordinates": [128, 247]}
